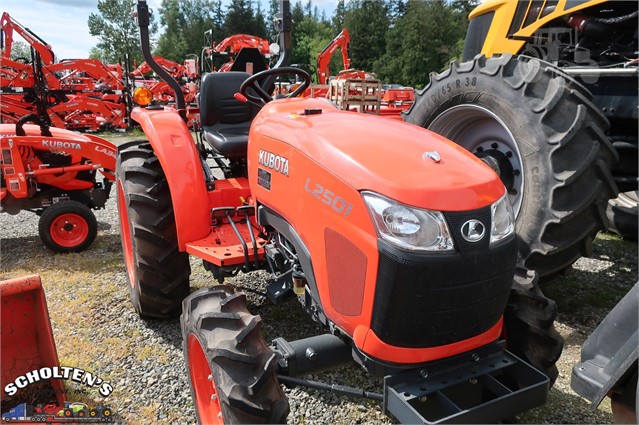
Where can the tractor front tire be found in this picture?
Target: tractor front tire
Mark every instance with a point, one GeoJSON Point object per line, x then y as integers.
{"type": "Point", "coordinates": [529, 321]}
{"type": "Point", "coordinates": [67, 226]}
{"type": "Point", "coordinates": [158, 272]}
{"type": "Point", "coordinates": [231, 369]}
{"type": "Point", "coordinates": [538, 128]}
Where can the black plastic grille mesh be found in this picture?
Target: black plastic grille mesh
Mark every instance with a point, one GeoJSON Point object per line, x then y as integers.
{"type": "Point", "coordinates": [428, 300]}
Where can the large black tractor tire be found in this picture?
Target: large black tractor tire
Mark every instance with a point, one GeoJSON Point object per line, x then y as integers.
{"type": "Point", "coordinates": [158, 272]}
{"type": "Point", "coordinates": [67, 226]}
{"type": "Point", "coordinates": [529, 320]}
{"type": "Point", "coordinates": [537, 127]}
{"type": "Point", "coordinates": [231, 369]}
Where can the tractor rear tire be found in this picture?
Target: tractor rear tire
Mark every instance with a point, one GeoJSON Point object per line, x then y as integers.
{"type": "Point", "coordinates": [538, 128]}
{"type": "Point", "coordinates": [529, 323]}
{"type": "Point", "coordinates": [231, 369]}
{"type": "Point", "coordinates": [67, 226]}
{"type": "Point", "coordinates": [158, 272]}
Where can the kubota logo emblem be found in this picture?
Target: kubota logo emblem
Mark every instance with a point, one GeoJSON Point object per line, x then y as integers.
{"type": "Point", "coordinates": [473, 230]}
{"type": "Point", "coordinates": [61, 145]}
{"type": "Point", "coordinates": [273, 161]}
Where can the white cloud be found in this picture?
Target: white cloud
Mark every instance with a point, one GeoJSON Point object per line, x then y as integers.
{"type": "Point", "coordinates": [61, 23]}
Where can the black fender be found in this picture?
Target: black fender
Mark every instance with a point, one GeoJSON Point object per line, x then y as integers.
{"type": "Point", "coordinates": [610, 353]}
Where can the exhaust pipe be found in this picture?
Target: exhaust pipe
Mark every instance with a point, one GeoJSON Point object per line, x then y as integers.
{"type": "Point", "coordinates": [143, 20]}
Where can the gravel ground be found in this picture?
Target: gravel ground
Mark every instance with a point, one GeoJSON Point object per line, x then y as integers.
{"type": "Point", "coordinates": [96, 329]}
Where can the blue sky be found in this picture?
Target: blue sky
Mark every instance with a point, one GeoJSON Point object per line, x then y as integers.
{"type": "Point", "coordinates": [63, 23]}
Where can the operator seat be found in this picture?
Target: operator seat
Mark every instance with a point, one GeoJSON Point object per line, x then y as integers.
{"type": "Point", "coordinates": [225, 120]}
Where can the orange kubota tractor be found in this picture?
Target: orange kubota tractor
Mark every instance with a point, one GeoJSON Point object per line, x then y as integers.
{"type": "Point", "coordinates": [397, 241]}
{"type": "Point", "coordinates": [53, 173]}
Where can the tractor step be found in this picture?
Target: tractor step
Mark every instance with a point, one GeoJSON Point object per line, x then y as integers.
{"type": "Point", "coordinates": [486, 385]}
{"type": "Point", "coordinates": [223, 248]}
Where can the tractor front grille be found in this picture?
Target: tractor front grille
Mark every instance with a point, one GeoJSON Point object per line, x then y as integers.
{"type": "Point", "coordinates": [429, 300]}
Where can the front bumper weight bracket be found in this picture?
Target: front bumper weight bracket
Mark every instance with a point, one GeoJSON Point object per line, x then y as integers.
{"type": "Point", "coordinates": [486, 385]}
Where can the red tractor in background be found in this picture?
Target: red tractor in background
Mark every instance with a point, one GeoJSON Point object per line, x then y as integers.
{"type": "Point", "coordinates": [82, 94]}
{"type": "Point", "coordinates": [395, 240]}
{"type": "Point", "coordinates": [53, 173]}
{"type": "Point", "coordinates": [187, 74]}
{"type": "Point", "coordinates": [230, 48]}
{"type": "Point", "coordinates": [353, 89]}
{"type": "Point", "coordinates": [8, 26]}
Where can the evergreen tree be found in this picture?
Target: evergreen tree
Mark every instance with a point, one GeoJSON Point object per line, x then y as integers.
{"type": "Point", "coordinates": [422, 41]}
{"type": "Point", "coordinates": [310, 35]}
{"type": "Point", "coordinates": [367, 22]}
{"type": "Point", "coordinates": [338, 16]}
{"type": "Point", "coordinates": [240, 19]}
{"type": "Point", "coordinates": [273, 10]}
{"type": "Point", "coordinates": [185, 22]}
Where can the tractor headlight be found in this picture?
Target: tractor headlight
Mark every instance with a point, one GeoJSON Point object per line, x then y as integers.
{"type": "Point", "coordinates": [408, 227]}
{"type": "Point", "coordinates": [503, 219]}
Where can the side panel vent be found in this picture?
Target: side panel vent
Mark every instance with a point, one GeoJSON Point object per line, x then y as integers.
{"type": "Point", "coordinates": [346, 265]}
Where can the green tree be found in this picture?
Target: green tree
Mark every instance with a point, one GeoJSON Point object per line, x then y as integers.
{"type": "Point", "coordinates": [273, 10]}
{"type": "Point", "coordinates": [260, 22]}
{"type": "Point", "coordinates": [309, 34]}
{"type": "Point", "coordinates": [338, 16]}
{"type": "Point", "coordinates": [116, 30]}
{"type": "Point", "coordinates": [185, 22]}
{"type": "Point", "coordinates": [421, 41]}
{"type": "Point", "coordinates": [241, 19]}
{"type": "Point", "coordinates": [367, 22]}
{"type": "Point", "coordinates": [20, 49]}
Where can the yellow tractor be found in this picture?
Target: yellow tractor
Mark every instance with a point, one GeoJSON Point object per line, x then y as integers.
{"type": "Point", "coordinates": [547, 96]}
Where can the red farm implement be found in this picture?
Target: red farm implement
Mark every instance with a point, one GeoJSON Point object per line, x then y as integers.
{"type": "Point", "coordinates": [54, 173]}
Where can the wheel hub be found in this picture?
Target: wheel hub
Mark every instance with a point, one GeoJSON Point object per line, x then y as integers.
{"type": "Point", "coordinates": [69, 230]}
{"type": "Point", "coordinates": [500, 162]}
{"type": "Point", "coordinates": [480, 131]}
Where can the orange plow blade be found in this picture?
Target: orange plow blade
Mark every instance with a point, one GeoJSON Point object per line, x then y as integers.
{"type": "Point", "coordinates": [27, 345]}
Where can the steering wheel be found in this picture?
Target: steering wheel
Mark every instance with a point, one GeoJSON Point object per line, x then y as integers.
{"type": "Point", "coordinates": [252, 83]}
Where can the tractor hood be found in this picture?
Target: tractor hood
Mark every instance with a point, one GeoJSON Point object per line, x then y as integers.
{"type": "Point", "coordinates": [398, 160]}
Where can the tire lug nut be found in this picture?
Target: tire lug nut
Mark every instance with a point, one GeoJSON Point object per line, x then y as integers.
{"type": "Point", "coordinates": [516, 172]}
{"type": "Point", "coordinates": [494, 145]}
{"type": "Point", "coordinates": [509, 154]}
{"type": "Point", "coordinates": [513, 191]}
{"type": "Point", "coordinates": [479, 149]}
